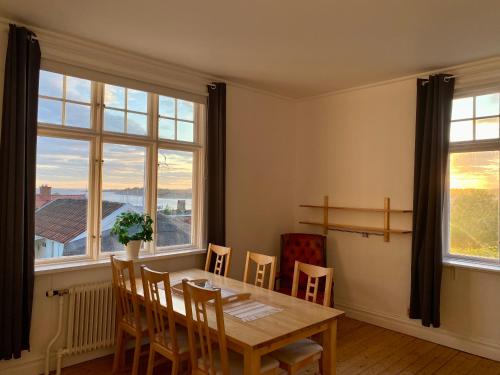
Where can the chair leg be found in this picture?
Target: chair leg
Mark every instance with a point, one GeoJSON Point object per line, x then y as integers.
{"type": "Point", "coordinates": [119, 352]}
{"type": "Point", "coordinates": [175, 367]}
{"type": "Point", "coordinates": [151, 361]}
{"type": "Point", "coordinates": [137, 353]}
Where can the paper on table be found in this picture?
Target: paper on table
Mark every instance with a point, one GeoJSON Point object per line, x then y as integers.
{"type": "Point", "coordinates": [250, 310]}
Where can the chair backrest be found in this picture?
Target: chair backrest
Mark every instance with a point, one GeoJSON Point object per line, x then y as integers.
{"type": "Point", "coordinates": [306, 248]}
{"type": "Point", "coordinates": [314, 273]}
{"type": "Point", "coordinates": [262, 261]}
{"type": "Point", "coordinates": [222, 259]}
{"type": "Point", "coordinates": [161, 323]}
{"type": "Point", "coordinates": [127, 303]}
{"type": "Point", "coordinates": [197, 324]}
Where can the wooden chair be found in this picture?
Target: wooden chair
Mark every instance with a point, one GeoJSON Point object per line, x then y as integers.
{"type": "Point", "coordinates": [223, 258]}
{"type": "Point", "coordinates": [305, 352]}
{"type": "Point", "coordinates": [129, 318]}
{"type": "Point", "coordinates": [262, 262]}
{"type": "Point", "coordinates": [213, 361]}
{"type": "Point", "coordinates": [306, 248]}
{"type": "Point", "coordinates": [164, 337]}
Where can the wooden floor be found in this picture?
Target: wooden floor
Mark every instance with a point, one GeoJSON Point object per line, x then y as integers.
{"type": "Point", "coordinates": [368, 350]}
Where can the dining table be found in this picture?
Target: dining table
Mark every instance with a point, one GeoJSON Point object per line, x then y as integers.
{"type": "Point", "coordinates": [293, 319]}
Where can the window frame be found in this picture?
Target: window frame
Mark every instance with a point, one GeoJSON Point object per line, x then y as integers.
{"type": "Point", "coordinates": [467, 147]}
{"type": "Point", "coordinates": [97, 137]}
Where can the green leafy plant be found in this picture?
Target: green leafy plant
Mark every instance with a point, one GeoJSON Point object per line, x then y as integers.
{"type": "Point", "coordinates": [131, 226]}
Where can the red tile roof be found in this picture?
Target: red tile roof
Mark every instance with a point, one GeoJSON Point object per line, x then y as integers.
{"type": "Point", "coordinates": [42, 200]}
{"type": "Point", "coordinates": [63, 219]}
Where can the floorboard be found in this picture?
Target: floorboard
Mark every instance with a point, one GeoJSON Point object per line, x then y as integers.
{"type": "Point", "coordinates": [363, 349]}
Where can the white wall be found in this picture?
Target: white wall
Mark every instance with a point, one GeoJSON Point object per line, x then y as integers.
{"type": "Point", "coordinates": [357, 147]}
{"type": "Point", "coordinates": [259, 194]}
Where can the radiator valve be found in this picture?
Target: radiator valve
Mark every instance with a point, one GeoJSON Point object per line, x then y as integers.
{"type": "Point", "coordinates": [56, 292]}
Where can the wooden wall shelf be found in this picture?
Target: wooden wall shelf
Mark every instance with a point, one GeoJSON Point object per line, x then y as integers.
{"type": "Point", "coordinates": [357, 209]}
{"type": "Point", "coordinates": [385, 231]}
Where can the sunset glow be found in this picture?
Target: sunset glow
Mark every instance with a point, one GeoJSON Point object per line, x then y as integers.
{"type": "Point", "coordinates": [478, 170]}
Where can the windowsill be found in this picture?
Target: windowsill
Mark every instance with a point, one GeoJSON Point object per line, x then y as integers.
{"type": "Point", "coordinates": [45, 269]}
{"type": "Point", "coordinates": [471, 265]}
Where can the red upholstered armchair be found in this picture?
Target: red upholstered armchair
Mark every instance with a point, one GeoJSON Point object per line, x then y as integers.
{"type": "Point", "coordinates": [306, 248]}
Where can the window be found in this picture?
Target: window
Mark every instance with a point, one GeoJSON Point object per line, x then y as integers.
{"type": "Point", "coordinates": [176, 119]}
{"type": "Point", "coordinates": [474, 179]}
{"type": "Point", "coordinates": [103, 150]}
{"type": "Point", "coordinates": [64, 101]}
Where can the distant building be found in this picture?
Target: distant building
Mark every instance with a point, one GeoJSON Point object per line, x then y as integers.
{"type": "Point", "coordinates": [45, 196]}
{"type": "Point", "coordinates": [61, 227]}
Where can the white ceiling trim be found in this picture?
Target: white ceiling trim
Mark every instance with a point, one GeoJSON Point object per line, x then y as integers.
{"type": "Point", "coordinates": [73, 51]}
{"type": "Point", "coordinates": [59, 48]}
{"type": "Point", "coordinates": [476, 75]}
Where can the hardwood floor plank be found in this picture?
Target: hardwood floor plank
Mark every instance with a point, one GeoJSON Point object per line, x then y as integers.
{"type": "Point", "coordinates": [363, 349]}
{"type": "Point", "coordinates": [442, 356]}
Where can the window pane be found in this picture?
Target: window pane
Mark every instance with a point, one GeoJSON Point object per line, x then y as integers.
{"type": "Point", "coordinates": [175, 192]}
{"type": "Point", "coordinates": [137, 100]}
{"type": "Point", "coordinates": [137, 124]}
{"type": "Point", "coordinates": [185, 131]}
{"type": "Point", "coordinates": [167, 106]}
{"type": "Point", "coordinates": [78, 115]}
{"type": "Point", "coordinates": [123, 179]}
{"type": "Point", "coordinates": [62, 172]}
{"type": "Point", "coordinates": [487, 128]}
{"type": "Point", "coordinates": [114, 96]}
{"type": "Point", "coordinates": [49, 111]}
{"type": "Point", "coordinates": [474, 204]}
{"type": "Point", "coordinates": [185, 110]}
{"type": "Point", "coordinates": [462, 108]}
{"type": "Point", "coordinates": [461, 131]}
{"type": "Point", "coordinates": [114, 121]}
{"type": "Point", "coordinates": [78, 89]}
{"type": "Point", "coordinates": [51, 84]}
{"type": "Point", "coordinates": [167, 128]}
{"type": "Point", "coordinates": [487, 105]}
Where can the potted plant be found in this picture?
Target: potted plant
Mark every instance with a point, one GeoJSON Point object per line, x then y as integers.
{"type": "Point", "coordinates": [132, 228]}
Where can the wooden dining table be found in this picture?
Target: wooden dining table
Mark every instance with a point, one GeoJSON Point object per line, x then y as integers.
{"type": "Point", "coordinates": [297, 319]}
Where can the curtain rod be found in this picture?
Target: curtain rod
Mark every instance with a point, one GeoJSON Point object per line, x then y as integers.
{"type": "Point", "coordinates": [447, 78]}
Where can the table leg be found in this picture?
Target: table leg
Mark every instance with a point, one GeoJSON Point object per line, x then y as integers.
{"type": "Point", "coordinates": [329, 356]}
{"type": "Point", "coordinates": [251, 362]}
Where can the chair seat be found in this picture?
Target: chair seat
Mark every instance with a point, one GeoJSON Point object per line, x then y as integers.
{"type": "Point", "coordinates": [163, 339]}
{"type": "Point", "coordinates": [129, 319]}
{"type": "Point", "coordinates": [267, 363]}
{"type": "Point", "coordinates": [302, 294]}
{"type": "Point", "coordinates": [297, 352]}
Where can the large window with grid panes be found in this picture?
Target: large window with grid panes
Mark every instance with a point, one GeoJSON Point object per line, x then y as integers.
{"type": "Point", "coordinates": [103, 150]}
{"type": "Point", "coordinates": [474, 179]}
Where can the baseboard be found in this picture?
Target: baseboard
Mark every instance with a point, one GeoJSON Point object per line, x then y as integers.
{"type": "Point", "coordinates": [474, 345]}
{"type": "Point", "coordinates": [36, 366]}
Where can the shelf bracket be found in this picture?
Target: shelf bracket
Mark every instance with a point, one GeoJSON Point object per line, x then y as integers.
{"type": "Point", "coordinates": [387, 219]}
{"type": "Point", "coordinates": [325, 215]}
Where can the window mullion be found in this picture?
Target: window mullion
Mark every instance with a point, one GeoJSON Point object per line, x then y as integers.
{"type": "Point", "coordinates": [153, 120]}
{"type": "Point", "coordinates": [98, 160]}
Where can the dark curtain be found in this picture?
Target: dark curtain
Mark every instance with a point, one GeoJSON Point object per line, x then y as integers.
{"type": "Point", "coordinates": [216, 164]}
{"type": "Point", "coordinates": [434, 100]}
{"type": "Point", "coordinates": [17, 190]}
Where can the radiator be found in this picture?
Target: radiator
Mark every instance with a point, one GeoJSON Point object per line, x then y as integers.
{"type": "Point", "coordinates": [90, 320]}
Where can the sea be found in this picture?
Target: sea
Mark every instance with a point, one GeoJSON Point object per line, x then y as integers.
{"type": "Point", "coordinates": [135, 200]}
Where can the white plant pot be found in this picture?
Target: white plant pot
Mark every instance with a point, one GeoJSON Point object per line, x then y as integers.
{"type": "Point", "coordinates": [132, 248]}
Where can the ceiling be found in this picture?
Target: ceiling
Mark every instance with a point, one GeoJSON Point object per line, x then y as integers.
{"type": "Point", "coordinates": [296, 48]}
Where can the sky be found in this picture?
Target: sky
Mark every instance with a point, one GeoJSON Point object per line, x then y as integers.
{"type": "Point", "coordinates": [64, 163]}
{"type": "Point", "coordinates": [475, 170]}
